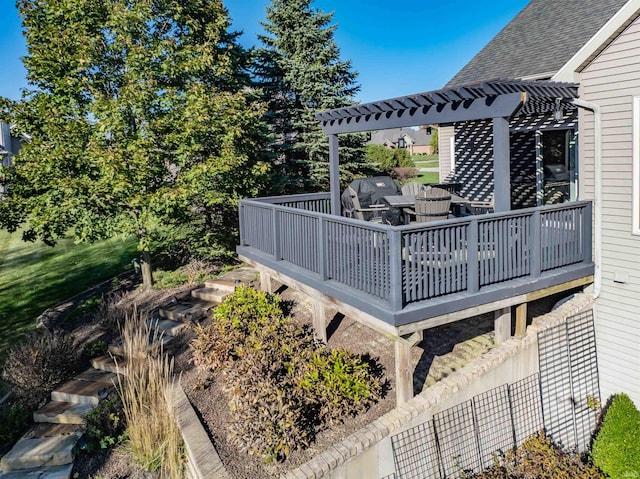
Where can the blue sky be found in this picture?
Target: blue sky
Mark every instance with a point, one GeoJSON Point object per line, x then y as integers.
{"type": "Point", "coordinates": [397, 49]}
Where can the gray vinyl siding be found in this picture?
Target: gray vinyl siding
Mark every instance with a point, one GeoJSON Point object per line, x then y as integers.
{"type": "Point", "coordinates": [611, 81]}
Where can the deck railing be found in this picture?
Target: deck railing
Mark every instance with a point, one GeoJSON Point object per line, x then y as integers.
{"type": "Point", "coordinates": [405, 264]}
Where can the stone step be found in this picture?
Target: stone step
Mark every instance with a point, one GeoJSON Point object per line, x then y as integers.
{"type": "Point", "coordinates": [98, 376]}
{"type": "Point", "coordinates": [222, 285]}
{"type": "Point", "coordinates": [213, 295]}
{"type": "Point", "coordinates": [185, 311]}
{"type": "Point", "coordinates": [110, 364]}
{"type": "Point", "coordinates": [51, 472]}
{"type": "Point", "coordinates": [167, 327]}
{"type": "Point", "coordinates": [57, 412]}
{"type": "Point", "coordinates": [43, 445]}
{"type": "Point", "coordinates": [85, 392]}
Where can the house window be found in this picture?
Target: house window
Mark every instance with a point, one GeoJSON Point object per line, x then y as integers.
{"type": "Point", "coordinates": [636, 167]}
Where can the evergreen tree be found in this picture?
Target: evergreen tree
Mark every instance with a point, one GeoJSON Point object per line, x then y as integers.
{"type": "Point", "coordinates": [138, 116]}
{"type": "Point", "coordinates": [300, 72]}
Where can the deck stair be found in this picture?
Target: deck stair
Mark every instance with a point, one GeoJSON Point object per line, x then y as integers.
{"type": "Point", "coordinates": [46, 450]}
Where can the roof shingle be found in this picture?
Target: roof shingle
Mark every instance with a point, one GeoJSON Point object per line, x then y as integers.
{"type": "Point", "coordinates": [539, 40]}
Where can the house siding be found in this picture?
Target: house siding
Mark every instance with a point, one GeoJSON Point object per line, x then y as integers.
{"type": "Point", "coordinates": [611, 81]}
{"type": "Point", "coordinates": [445, 133]}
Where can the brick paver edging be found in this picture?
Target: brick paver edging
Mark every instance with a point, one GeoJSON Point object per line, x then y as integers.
{"type": "Point", "coordinates": [203, 461]}
{"type": "Point", "coordinates": [396, 419]}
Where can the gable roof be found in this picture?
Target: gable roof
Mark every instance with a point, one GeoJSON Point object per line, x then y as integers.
{"type": "Point", "coordinates": [539, 40]}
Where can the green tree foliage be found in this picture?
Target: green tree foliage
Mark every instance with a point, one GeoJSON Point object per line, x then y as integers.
{"type": "Point", "coordinates": [388, 158]}
{"type": "Point", "coordinates": [138, 116]}
{"type": "Point", "coordinates": [300, 72]}
{"type": "Point", "coordinates": [615, 448]}
{"type": "Point", "coordinates": [434, 141]}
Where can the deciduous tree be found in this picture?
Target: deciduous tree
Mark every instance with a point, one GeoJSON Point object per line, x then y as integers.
{"type": "Point", "coordinates": [137, 116]}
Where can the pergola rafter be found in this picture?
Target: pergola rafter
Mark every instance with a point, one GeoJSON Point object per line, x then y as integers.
{"type": "Point", "coordinates": [498, 100]}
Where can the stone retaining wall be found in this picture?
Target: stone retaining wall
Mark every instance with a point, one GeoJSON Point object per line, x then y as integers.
{"type": "Point", "coordinates": [203, 461]}
{"type": "Point", "coordinates": [367, 454]}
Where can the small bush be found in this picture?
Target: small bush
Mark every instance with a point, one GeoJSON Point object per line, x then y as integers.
{"type": "Point", "coordinates": [105, 425]}
{"type": "Point", "coordinates": [14, 420]}
{"type": "Point", "coordinates": [95, 348]}
{"type": "Point", "coordinates": [112, 311]}
{"type": "Point", "coordinates": [282, 385]}
{"type": "Point", "coordinates": [39, 364]}
{"type": "Point", "coordinates": [241, 314]}
{"type": "Point", "coordinates": [538, 457]}
{"type": "Point", "coordinates": [616, 446]}
{"type": "Point", "coordinates": [404, 173]}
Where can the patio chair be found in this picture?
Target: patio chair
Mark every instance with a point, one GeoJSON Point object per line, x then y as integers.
{"type": "Point", "coordinates": [432, 204]}
{"type": "Point", "coordinates": [412, 189]}
{"type": "Point", "coordinates": [351, 208]}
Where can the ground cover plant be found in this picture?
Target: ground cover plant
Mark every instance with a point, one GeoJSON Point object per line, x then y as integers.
{"type": "Point", "coordinates": [36, 276]}
{"type": "Point", "coordinates": [281, 385]}
{"type": "Point", "coordinates": [616, 448]}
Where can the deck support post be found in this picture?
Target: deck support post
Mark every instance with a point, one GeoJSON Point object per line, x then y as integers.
{"type": "Point", "coordinates": [521, 320]}
{"type": "Point", "coordinates": [502, 325]}
{"type": "Point", "coordinates": [501, 166]}
{"type": "Point", "coordinates": [404, 372]}
{"type": "Point", "coordinates": [334, 175]}
{"type": "Point", "coordinates": [265, 281]}
{"type": "Point", "coordinates": [319, 320]}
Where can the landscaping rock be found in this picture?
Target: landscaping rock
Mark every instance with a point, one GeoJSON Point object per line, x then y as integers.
{"type": "Point", "coordinates": [57, 412]}
{"type": "Point", "coordinates": [41, 448]}
{"type": "Point", "coordinates": [54, 472]}
{"type": "Point", "coordinates": [211, 295]}
{"type": "Point", "coordinates": [79, 391]}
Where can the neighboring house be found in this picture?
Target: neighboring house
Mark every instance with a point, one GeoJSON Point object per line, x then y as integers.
{"type": "Point", "coordinates": [416, 140]}
{"type": "Point", "coordinates": [8, 147]}
{"type": "Point", "coordinates": [596, 44]}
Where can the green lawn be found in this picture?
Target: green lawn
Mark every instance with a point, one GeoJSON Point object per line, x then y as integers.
{"type": "Point", "coordinates": [34, 276]}
{"type": "Point", "coordinates": [428, 177]}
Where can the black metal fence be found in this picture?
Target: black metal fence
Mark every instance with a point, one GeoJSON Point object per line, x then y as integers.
{"type": "Point", "coordinates": [569, 381]}
{"type": "Point", "coordinates": [559, 400]}
{"type": "Point", "coordinates": [465, 437]}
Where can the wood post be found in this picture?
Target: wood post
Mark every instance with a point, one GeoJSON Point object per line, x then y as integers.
{"type": "Point", "coordinates": [265, 281]}
{"type": "Point", "coordinates": [502, 325]}
{"type": "Point", "coordinates": [404, 371]}
{"type": "Point", "coordinates": [521, 320]}
{"type": "Point", "coordinates": [319, 320]}
{"type": "Point", "coordinates": [501, 165]}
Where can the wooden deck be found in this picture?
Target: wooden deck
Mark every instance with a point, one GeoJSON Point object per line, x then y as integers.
{"type": "Point", "coordinates": [401, 280]}
{"type": "Point", "coordinates": [406, 274]}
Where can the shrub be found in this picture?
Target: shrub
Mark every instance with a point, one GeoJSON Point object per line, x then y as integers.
{"type": "Point", "coordinates": [14, 420]}
{"type": "Point", "coordinates": [112, 311]}
{"type": "Point", "coordinates": [538, 457]}
{"type": "Point", "coordinates": [402, 174]}
{"type": "Point", "coordinates": [39, 364]}
{"type": "Point", "coordinates": [282, 385]}
{"type": "Point", "coordinates": [340, 383]}
{"type": "Point", "coordinates": [95, 348]}
{"type": "Point", "coordinates": [615, 448]}
{"type": "Point", "coordinates": [241, 314]}
{"type": "Point", "coordinates": [105, 425]}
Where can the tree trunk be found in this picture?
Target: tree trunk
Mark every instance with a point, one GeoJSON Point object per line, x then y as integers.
{"type": "Point", "coordinates": [147, 276]}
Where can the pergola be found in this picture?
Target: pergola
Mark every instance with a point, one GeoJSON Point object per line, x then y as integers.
{"type": "Point", "coordinates": [498, 100]}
